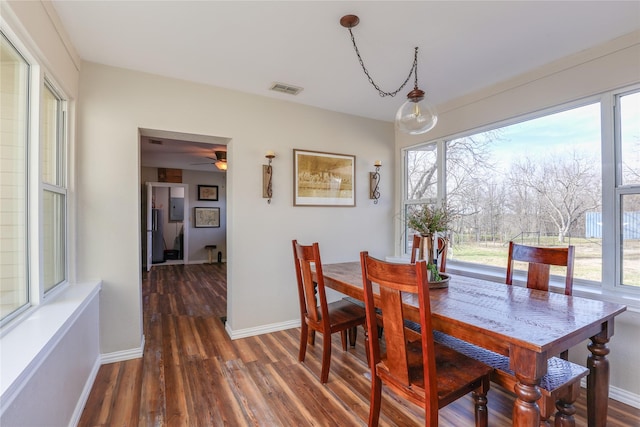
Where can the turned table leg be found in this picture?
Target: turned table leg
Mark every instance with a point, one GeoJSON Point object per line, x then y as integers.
{"type": "Point", "coordinates": [598, 381]}
{"type": "Point", "coordinates": [525, 408]}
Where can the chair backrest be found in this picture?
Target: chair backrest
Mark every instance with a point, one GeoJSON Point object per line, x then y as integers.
{"type": "Point", "coordinates": [393, 281]}
{"type": "Point", "coordinates": [313, 300]}
{"type": "Point", "coordinates": [540, 260]}
{"type": "Point", "coordinates": [417, 251]}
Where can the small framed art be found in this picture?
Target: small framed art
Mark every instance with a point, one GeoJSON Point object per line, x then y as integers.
{"type": "Point", "coordinates": [206, 217]}
{"type": "Point", "coordinates": [208, 192]}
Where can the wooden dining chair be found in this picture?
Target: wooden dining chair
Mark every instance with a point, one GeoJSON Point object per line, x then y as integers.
{"type": "Point", "coordinates": [318, 315]}
{"type": "Point", "coordinates": [442, 251]}
{"type": "Point", "coordinates": [426, 373]}
{"type": "Point", "coordinates": [540, 260]}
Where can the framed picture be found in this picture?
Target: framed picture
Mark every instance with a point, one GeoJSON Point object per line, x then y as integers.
{"type": "Point", "coordinates": [206, 217]}
{"type": "Point", "coordinates": [323, 179]}
{"type": "Point", "coordinates": [208, 192]}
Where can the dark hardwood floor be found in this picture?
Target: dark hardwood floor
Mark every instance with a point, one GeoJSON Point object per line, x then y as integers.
{"type": "Point", "coordinates": [192, 374]}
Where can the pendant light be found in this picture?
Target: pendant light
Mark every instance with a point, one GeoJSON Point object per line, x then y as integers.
{"type": "Point", "coordinates": [416, 116]}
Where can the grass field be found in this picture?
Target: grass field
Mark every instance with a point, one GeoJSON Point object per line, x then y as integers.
{"type": "Point", "coordinates": [588, 261]}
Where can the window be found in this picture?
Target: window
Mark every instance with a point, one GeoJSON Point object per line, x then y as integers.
{"type": "Point", "coordinates": [422, 179]}
{"type": "Point", "coordinates": [538, 182]}
{"type": "Point", "coordinates": [14, 93]}
{"type": "Point", "coordinates": [26, 278]}
{"type": "Point", "coordinates": [54, 192]}
{"type": "Point", "coordinates": [628, 189]}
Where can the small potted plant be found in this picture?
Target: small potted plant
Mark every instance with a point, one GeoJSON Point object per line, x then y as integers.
{"type": "Point", "coordinates": [431, 222]}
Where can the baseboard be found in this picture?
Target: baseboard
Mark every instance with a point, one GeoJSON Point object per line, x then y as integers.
{"type": "Point", "coordinates": [625, 397]}
{"type": "Point", "coordinates": [84, 396]}
{"type": "Point", "coordinates": [263, 329]}
{"type": "Point", "coordinates": [121, 356]}
{"type": "Point", "coordinates": [617, 394]}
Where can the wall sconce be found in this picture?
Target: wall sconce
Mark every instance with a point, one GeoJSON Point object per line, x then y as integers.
{"type": "Point", "coordinates": [374, 182]}
{"type": "Point", "coordinates": [267, 175]}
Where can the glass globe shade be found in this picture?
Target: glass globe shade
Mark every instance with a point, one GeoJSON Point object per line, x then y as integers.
{"type": "Point", "coordinates": [416, 118]}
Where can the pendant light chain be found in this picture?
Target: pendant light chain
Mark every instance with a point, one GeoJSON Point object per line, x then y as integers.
{"type": "Point", "coordinates": [414, 70]}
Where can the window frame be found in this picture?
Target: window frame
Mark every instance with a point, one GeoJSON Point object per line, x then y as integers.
{"type": "Point", "coordinates": [35, 186]}
{"type": "Point", "coordinates": [58, 188]}
{"type": "Point", "coordinates": [619, 188]}
{"type": "Point", "coordinates": [611, 190]}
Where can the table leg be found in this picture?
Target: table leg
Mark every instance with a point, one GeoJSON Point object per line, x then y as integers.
{"type": "Point", "coordinates": [525, 409]}
{"type": "Point", "coordinates": [529, 367]}
{"type": "Point", "coordinates": [598, 381]}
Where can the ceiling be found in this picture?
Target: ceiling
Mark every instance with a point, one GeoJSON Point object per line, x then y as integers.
{"type": "Point", "coordinates": [464, 46]}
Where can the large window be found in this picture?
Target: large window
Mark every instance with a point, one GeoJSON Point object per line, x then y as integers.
{"type": "Point", "coordinates": [33, 258]}
{"type": "Point", "coordinates": [538, 182]}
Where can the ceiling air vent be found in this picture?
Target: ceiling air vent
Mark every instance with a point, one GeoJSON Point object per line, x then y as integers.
{"type": "Point", "coordinates": [285, 88]}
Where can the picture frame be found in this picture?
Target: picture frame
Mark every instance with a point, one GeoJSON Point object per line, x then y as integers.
{"type": "Point", "coordinates": [208, 192]}
{"type": "Point", "coordinates": [206, 217]}
{"type": "Point", "coordinates": [323, 179]}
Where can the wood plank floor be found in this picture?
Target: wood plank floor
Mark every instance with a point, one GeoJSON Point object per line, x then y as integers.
{"type": "Point", "coordinates": [192, 374]}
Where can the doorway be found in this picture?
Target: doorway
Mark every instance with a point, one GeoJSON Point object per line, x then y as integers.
{"type": "Point", "coordinates": [202, 162]}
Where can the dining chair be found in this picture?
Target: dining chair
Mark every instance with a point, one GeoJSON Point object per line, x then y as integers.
{"type": "Point", "coordinates": [425, 373]}
{"type": "Point", "coordinates": [318, 315]}
{"type": "Point", "coordinates": [442, 251]}
{"type": "Point", "coordinates": [540, 260]}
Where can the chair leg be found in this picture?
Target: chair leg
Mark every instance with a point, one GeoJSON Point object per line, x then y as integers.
{"type": "Point", "coordinates": [375, 401]}
{"type": "Point", "coordinates": [304, 336]}
{"type": "Point", "coordinates": [326, 357]}
{"type": "Point", "coordinates": [366, 345]}
{"type": "Point", "coordinates": [353, 334]}
{"type": "Point", "coordinates": [343, 339]}
{"type": "Point", "coordinates": [312, 337]}
{"type": "Point", "coordinates": [480, 401]}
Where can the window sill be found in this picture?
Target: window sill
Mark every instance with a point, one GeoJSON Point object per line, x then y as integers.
{"type": "Point", "coordinates": [25, 344]}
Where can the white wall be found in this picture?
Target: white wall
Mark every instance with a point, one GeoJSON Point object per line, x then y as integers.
{"type": "Point", "coordinates": [116, 103]}
{"type": "Point", "coordinates": [604, 68]}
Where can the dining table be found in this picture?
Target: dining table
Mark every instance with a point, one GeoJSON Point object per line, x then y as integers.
{"type": "Point", "coordinates": [529, 326]}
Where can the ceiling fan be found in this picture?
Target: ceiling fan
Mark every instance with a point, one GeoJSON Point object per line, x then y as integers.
{"type": "Point", "coordinates": [220, 160]}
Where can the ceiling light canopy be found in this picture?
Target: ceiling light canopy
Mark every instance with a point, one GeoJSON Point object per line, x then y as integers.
{"type": "Point", "coordinates": [416, 116]}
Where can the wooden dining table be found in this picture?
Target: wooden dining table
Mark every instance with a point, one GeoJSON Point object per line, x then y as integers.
{"type": "Point", "coordinates": [528, 326]}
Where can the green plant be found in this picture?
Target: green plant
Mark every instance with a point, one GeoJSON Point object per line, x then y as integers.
{"type": "Point", "coordinates": [435, 274]}
{"type": "Point", "coordinates": [428, 219]}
